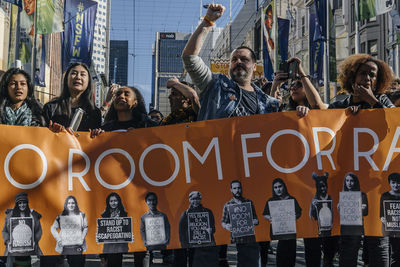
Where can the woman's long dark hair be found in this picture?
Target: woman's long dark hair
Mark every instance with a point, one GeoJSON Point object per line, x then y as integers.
{"type": "Point", "coordinates": [17, 213]}
{"type": "Point", "coordinates": [5, 98]}
{"type": "Point", "coordinates": [76, 210]}
{"type": "Point", "coordinates": [292, 105]}
{"type": "Point", "coordinates": [85, 100]}
{"type": "Point", "coordinates": [356, 186]}
{"type": "Point", "coordinates": [120, 207]}
{"type": "Point", "coordinates": [137, 111]}
{"type": "Point", "coordinates": [279, 180]}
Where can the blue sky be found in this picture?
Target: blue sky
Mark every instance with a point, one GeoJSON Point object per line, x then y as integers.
{"type": "Point", "coordinates": [138, 21]}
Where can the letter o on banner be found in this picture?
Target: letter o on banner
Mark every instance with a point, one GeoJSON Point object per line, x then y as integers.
{"type": "Point", "coordinates": [7, 169]}
{"type": "Point", "coordinates": [147, 178]}
{"type": "Point", "coordinates": [306, 154]}
{"type": "Point", "coordinates": [101, 157]}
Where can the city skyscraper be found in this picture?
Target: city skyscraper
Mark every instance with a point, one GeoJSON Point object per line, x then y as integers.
{"type": "Point", "coordinates": [118, 72]}
{"type": "Point", "coordinates": [167, 63]}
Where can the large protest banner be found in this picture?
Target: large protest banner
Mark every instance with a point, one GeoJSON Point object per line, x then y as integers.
{"type": "Point", "coordinates": [206, 156]}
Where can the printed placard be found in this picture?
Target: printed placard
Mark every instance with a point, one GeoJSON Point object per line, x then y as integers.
{"type": "Point", "coordinates": [21, 234]}
{"type": "Point", "coordinates": [350, 207]}
{"type": "Point", "coordinates": [325, 215]}
{"type": "Point", "coordinates": [114, 230]}
{"type": "Point", "coordinates": [283, 216]}
{"type": "Point", "coordinates": [155, 231]}
{"type": "Point", "coordinates": [71, 230]}
{"type": "Point", "coordinates": [241, 216]}
{"type": "Point", "coordinates": [392, 215]}
{"type": "Point", "coordinates": [198, 226]}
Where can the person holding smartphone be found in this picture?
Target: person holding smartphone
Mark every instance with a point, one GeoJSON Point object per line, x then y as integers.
{"type": "Point", "coordinates": [303, 95]}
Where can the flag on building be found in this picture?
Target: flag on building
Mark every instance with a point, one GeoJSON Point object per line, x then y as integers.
{"type": "Point", "coordinates": [40, 64]}
{"type": "Point", "coordinates": [77, 38]}
{"type": "Point", "coordinates": [372, 8]}
{"type": "Point", "coordinates": [317, 46]}
{"type": "Point", "coordinates": [49, 16]}
{"type": "Point", "coordinates": [270, 42]}
{"type": "Point", "coordinates": [320, 34]}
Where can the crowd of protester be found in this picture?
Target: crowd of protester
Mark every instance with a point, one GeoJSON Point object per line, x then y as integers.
{"type": "Point", "coordinates": [368, 83]}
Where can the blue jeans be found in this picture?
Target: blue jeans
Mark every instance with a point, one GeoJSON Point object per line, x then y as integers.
{"type": "Point", "coordinates": [394, 251]}
{"type": "Point", "coordinates": [349, 247]}
{"type": "Point", "coordinates": [286, 253]}
{"type": "Point", "coordinates": [378, 251]}
{"type": "Point", "coordinates": [248, 254]}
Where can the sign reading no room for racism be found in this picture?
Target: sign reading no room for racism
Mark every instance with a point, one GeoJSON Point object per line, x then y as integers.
{"type": "Point", "coordinates": [283, 216]}
{"type": "Point", "coordinates": [350, 207]}
{"type": "Point", "coordinates": [155, 231]}
{"type": "Point", "coordinates": [114, 230]}
{"type": "Point", "coordinates": [198, 227]}
{"type": "Point", "coordinates": [241, 217]}
{"type": "Point", "coordinates": [71, 230]}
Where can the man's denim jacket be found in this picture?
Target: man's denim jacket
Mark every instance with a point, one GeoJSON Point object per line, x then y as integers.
{"type": "Point", "coordinates": [218, 97]}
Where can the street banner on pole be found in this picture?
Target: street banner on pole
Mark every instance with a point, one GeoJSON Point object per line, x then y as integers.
{"type": "Point", "coordinates": [77, 41]}
{"type": "Point", "coordinates": [50, 16]}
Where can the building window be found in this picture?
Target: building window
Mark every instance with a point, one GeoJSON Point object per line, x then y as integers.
{"type": "Point", "coordinates": [363, 48]}
{"type": "Point", "coordinates": [303, 25]}
{"type": "Point", "coordinates": [337, 4]}
{"type": "Point", "coordinates": [373, 47]}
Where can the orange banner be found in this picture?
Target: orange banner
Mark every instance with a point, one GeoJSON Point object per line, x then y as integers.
{"type": "Point", "coordinates": [174, 161]}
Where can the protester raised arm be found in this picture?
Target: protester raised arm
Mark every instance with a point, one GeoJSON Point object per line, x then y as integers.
{"type": "Point", "coordinates": [198, 71]}
{"type": "Point", "coordinates": [313, 97]}
{"type": "Point", "coordinates": [193, 46]}
{"type": "Point", "coordinates": [186, 90]}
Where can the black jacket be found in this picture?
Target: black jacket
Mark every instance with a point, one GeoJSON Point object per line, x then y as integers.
{"type": "Point", "coordinates": [91, 118]}
{"type": "Point", "coordinates": [135, 123]}
{"type": "Point", "coordinates": [384, 102]}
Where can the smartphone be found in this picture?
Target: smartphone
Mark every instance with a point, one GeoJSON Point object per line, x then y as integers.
{"type": "Point", "coordinates": [290, 68]}
{"type": "Point", "coordinates": [293, 69]}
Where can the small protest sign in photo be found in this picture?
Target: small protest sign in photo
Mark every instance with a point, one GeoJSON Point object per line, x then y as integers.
{"type": "Point", "coordinates": [283, 217]}
{"type": "Point", "coordinates": [241, 217]}
{"type": "Point", "coordinates": [155, 231]}
{"type": "Point", "coordinates": [198, 227]}
{"type": "Point", "coordinates": [71, 230]}
{"type": "Point", "coordinates": [114, 230]}
{"type": "Point", "coordinates": [350, 208]}
{"type": "Point", "coordinates": [392, 215]}
{"type": "Point", "coordinates": [22, 236]}
{"type": "Point", "coordinates": [325, 216]}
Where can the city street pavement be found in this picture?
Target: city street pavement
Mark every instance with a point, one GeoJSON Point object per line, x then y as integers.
{"type": "Point", "coordinates": [94, 261]}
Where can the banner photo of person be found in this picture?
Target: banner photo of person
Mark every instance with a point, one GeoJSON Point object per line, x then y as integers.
{"type": "Point", "coordinates": [240, 180]}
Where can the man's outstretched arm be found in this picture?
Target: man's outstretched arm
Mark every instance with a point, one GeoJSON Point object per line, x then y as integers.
{"type": "Point", "coordinates": [198, 71]}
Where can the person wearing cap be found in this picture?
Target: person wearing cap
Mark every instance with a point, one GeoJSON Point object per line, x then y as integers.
{"type": "Point", "coordinates": [202, 252]}
{"type": "Point", "coordinates": [22, 210]}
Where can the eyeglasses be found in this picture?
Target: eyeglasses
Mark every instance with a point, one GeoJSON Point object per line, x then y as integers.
{"type": "Point", "coordinates": [296, 85]}
{"type": "Point", "coordinates": [155, 117]}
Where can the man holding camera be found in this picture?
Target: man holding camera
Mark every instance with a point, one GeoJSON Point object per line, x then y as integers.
{"type": "Point", "coordinates": [222, 97]}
